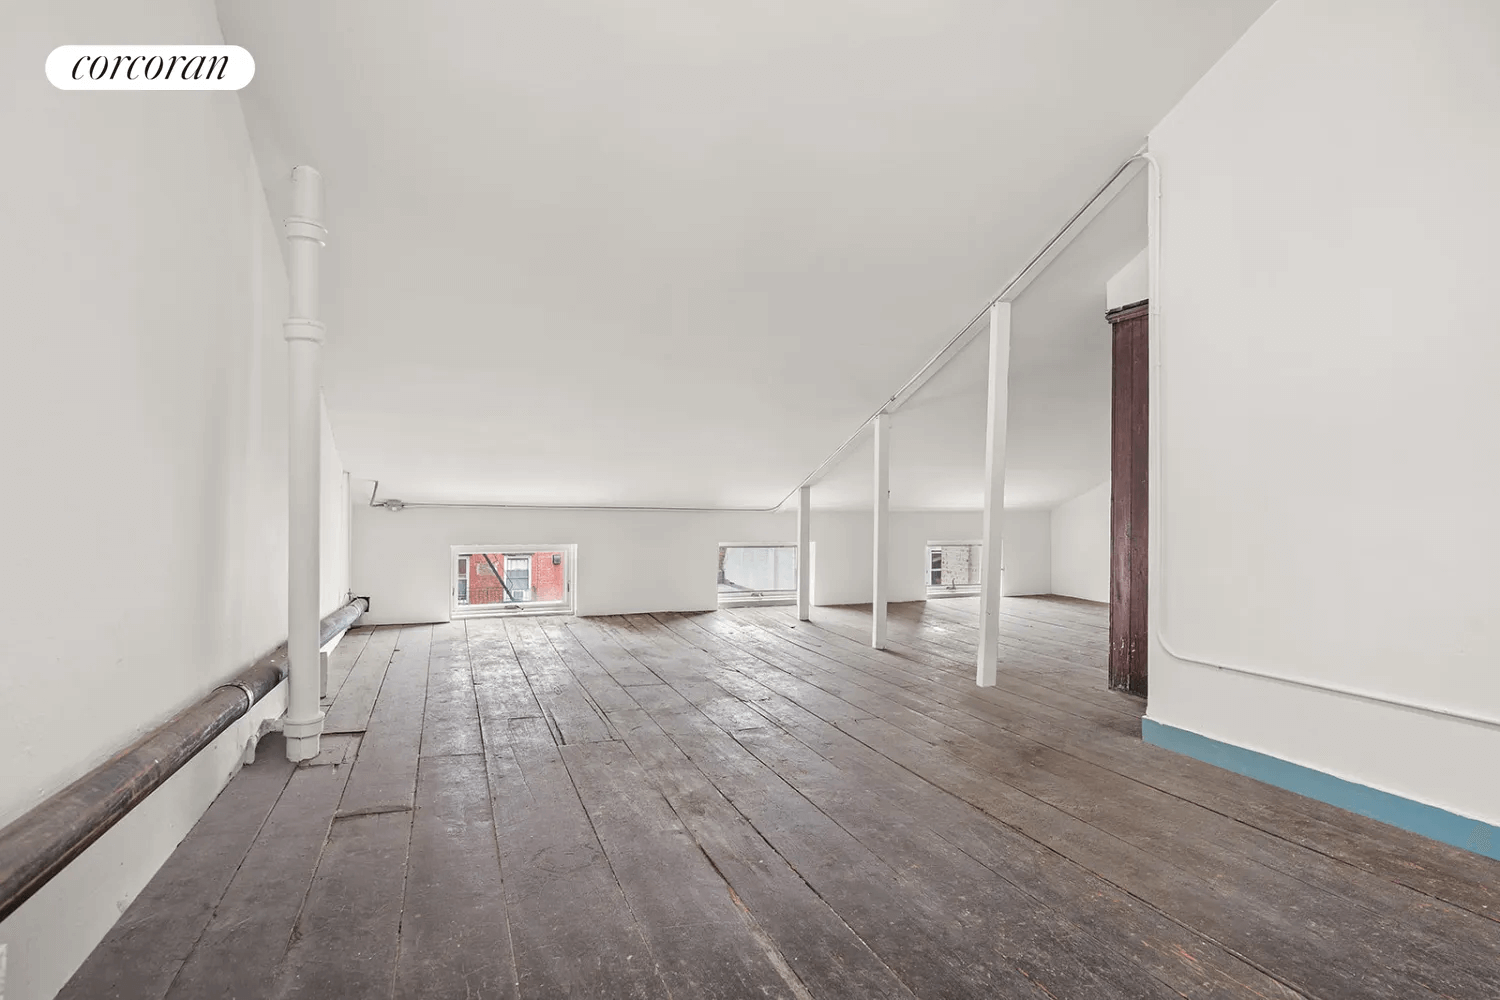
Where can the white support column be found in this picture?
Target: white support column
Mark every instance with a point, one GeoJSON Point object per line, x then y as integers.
{"type": "Point", "coordinates": [994, 494]}
{"type": "Point", "coordinates": [882, 526]}
{"type": "Point", "coordinates": [804, 554]}
{"type": "Point", "coordinates": [303, 726]}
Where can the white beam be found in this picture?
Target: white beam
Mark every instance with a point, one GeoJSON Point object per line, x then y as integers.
{"type": "Point", "coordinates": [804, 554]}
{"type": "Point", "coordinates": [994, 494]}
{"type": "Point", "coordinates": [882, 525]}
{"type": "Point", "coordinates": [1018, 283]}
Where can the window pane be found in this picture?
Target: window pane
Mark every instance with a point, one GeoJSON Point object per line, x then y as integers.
{"type": "Point", "coordinates": [954, 567]}
{"type": "Point", "coordinates": [512, 580]}
{"type": "Point", "coordinates": [751, 571]}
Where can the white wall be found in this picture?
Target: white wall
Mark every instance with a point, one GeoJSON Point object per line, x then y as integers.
{"type": "Point", "coordinates": [333, 526]}
{"type": "Point", "coordinates": [628, 561]}
{"type": "Point", "coordinates": [143, 396]}
{"type": "Point", "coordinates": [1027, 552]}
{"type": "Point", "coordinates": [1080, 546]}
{"type": "Point", "coordinates": [643, 561]}
{"type": "Point", "coordinates": [1324, 471]}
{"type": "Point", "coordinates": [844, 546]}
{"type": "Point", "coordinates": [1130, 284]}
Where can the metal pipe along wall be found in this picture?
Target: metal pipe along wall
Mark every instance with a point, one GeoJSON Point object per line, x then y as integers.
{"type": "Point", "coordinates": [44, 841]}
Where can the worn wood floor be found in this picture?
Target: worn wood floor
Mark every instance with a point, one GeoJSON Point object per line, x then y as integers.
{"type": "Point", "coordinates": [737, 805]}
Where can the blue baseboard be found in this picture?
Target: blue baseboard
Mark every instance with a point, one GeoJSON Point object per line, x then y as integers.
{"type": "Point", "coordinates": [1418, 817]}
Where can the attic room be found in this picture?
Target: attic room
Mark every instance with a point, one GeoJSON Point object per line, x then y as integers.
{"type": "Point", "coordinates": [713, 500]}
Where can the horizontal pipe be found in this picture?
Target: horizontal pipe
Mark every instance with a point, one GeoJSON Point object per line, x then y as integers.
{"type": "Point", "coordinates": [392, 504]}
{"type": "Point", "coordinates": [342, 619]}
{"type": "Point", "coordinates": [45, 840]}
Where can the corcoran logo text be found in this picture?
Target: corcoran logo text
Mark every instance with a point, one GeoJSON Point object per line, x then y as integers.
{"type": "Point", "coordinates": [150, 67]}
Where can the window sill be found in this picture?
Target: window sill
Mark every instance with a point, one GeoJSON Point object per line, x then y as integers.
{"type": "Point", "coordinates": [459, 614]}
{"type": "Point", "coordinates": [761, 601]}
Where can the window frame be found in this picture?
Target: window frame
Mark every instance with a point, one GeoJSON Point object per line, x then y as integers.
{"type": "Point", "coordinates": [938, 591]}
{"type": "Point", "coordinates": [565, 606]}
{"type": "Point", "coordinates": [758, 598]}
{"type": "Point", "coordinates": [510, 579]}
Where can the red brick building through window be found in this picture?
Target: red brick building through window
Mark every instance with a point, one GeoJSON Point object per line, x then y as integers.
{"type": "Point", "coordinates": [511, 578]}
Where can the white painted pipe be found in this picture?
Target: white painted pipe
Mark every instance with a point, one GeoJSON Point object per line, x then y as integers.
{"type": "Point", "coordinates": [304, 341]}
{"type": "Point", "coordinates": [882, 519]}
{"type": "Point", "coordinates": [997, 410]}
{"type": "Point", "coordinates": [804, 554]}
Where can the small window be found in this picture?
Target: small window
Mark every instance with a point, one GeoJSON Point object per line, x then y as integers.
{"type": "Point", "coordinates": [953, 568]}
{"type": "Point", "coordinates": [757, 574]}
{"type": "Point", "coordinates": [518, 576]}
{"type": "Point", "coordinates": [512, 579]}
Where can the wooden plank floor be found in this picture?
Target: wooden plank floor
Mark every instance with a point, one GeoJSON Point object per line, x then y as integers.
{"type": "Point", "coordinates": [737, 804]}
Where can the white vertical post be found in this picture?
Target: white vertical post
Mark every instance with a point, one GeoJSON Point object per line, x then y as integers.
{"type": "Point", "coordinates": [303, 726]}
{"type": "Point", "coordinates": [882, 526]}
{"type": "Point", "coordinates": [348, 512]}
{"type": "Point", "coordinates": [804, 554]}
{"type": "Point", "coordinates": [994, 494]}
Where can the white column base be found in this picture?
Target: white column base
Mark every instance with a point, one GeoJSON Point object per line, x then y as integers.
{"type": "Point", "coordinates": [304, 740]}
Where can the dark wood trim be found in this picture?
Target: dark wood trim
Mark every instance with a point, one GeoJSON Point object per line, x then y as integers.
{"type": "Point", "coordinates": [1129, 500]}
{"type": "Point", "coordinates": [1132, 311]}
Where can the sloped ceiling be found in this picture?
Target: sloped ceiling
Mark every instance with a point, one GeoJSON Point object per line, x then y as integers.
{"type": "Point", "coordinates": [1057, 441]}
{"type": "Point", "coordinates": [675, 253]}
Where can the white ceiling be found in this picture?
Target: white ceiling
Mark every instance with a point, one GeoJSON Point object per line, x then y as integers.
{"type": "Point", "coordinates": [675, 253]}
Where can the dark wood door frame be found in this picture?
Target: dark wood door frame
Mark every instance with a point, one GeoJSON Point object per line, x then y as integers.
{"type": "Point", "coordinates": [1128, 503]}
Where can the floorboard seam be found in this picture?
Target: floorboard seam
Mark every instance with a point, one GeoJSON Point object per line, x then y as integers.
{"type": "Point", "coordinates": [634, 917]}
{"type": "Point", "coordinates": [187, 956]}
{"type": "Point", "coordinates": [769, 845]}
{"type": "Point", "coordinates": [410, 827]}
{"type": "Point", "coordinates": [821, 811]}
{"type": "Point", "coordinates": [510, 937]}
{"type": "Point", "coordinates": [773, 953]}
{"type": "Point", "coordinates": [1059, 916]}
{"type": "Point", "coordinates": [573, 783]}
